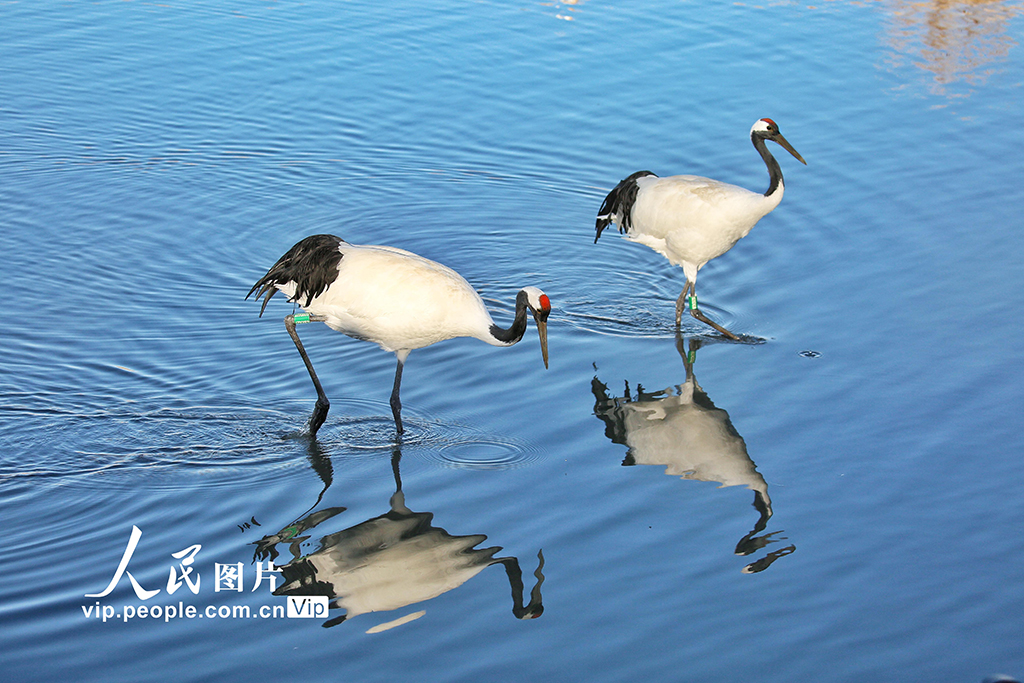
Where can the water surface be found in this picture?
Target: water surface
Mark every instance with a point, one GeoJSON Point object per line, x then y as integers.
{"type": "Point", "coordinates": [862, 518]}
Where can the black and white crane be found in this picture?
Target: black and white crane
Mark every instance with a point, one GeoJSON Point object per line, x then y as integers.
{"type": "Point", "coordinates": [388, 296]}
{"type": "Point", "coordinates": [689, 219]}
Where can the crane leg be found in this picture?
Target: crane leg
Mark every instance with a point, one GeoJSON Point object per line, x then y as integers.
{"type": "Point", "coordinates": [696, 313]}
{"type": "Point", "coordinates": [396, 401]}
{"type": "Point", "coordinates": [681, 302]}
{"type": "Point", "coordinates": [322, 404]}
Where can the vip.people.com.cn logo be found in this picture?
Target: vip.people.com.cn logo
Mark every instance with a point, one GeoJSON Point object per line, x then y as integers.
{"type": "Point", "coordinates": [183, 574]}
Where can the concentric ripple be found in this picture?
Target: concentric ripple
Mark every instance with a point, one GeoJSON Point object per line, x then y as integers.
{"type": "Point", "coordinates": [485, 453]}
{"type": "Point", "coordinates": [442, 442]}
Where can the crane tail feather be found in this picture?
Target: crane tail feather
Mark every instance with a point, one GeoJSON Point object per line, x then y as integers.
{"type": "Point", "coordinates": [618, 205]}
{"type": "Point", "coordinates": [312, 265]}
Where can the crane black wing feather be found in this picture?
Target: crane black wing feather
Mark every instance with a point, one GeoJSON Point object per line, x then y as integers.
{"type": "Point", "coordinates": [312, 264]}
{"type": "Point", "coordinates": [618, 205]}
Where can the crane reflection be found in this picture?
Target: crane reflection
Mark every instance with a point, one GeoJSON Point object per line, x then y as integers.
{"type": "Point", "coordinates": [680, 429]}
{"type": "Point", "coordinates": [388, 562]}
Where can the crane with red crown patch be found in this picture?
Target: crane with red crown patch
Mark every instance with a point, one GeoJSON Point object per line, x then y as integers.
{"type": "Point", "coordinates": [392, 297]}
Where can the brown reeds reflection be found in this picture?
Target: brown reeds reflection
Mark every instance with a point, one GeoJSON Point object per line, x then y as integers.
{"type": "Point", "coordinates": [957, 41]}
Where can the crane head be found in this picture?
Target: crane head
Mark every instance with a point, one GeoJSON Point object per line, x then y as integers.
{"type": "Point", "coordinates": [540, 305]}
{"type": "Point", "coordinates": [769, 130]}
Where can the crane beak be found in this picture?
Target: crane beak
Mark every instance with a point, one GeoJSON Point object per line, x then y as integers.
{"type": "Point", "coordinates": [541, 317]}
{"type": "Point", "coordinates": [784, 143]}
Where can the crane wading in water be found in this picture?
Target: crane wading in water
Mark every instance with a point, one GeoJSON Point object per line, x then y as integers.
{"type": "Point", "coordinates": [690, 220]}
{"type": "Point", "coordinates": [388, 296]}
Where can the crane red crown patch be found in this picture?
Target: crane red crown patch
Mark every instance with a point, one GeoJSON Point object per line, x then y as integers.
{"type": "Point", "coordinates": [545, 302]}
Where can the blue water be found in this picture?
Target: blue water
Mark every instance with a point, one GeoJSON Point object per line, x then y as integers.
{"type": "Point", "coordinates": [156, 159]}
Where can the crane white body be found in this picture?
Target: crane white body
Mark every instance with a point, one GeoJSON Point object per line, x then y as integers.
{"type": "Point", "coordinates": [690, 220]}
{"type": "Point", "coordinates": [398, 300]}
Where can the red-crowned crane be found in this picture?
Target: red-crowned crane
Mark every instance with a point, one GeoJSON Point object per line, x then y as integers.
{"type": "Point", "coordinates": [690, 220]}
{"type": "Point", "coordinates": [388, 296]}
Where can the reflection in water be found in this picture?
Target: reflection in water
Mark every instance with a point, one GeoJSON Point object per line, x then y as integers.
{"type": "Point", "coordinates": [956, 40]}
{"type": "Point", "coordinates": [564, 8]}
{"type": "Point", "coordinates": [390, 561]}
{"type": "Point", "coordinates": [683, 431]}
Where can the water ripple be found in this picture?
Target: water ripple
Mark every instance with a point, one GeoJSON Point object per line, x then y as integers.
{"type": "Point", "coordinates": [120, 443]}
{"type": "Point", "coordinates": [485, 453]}
{"type": "Point", "coordinates": [441, 442]}
{"type": "Point", "coordinates": [94, 441]}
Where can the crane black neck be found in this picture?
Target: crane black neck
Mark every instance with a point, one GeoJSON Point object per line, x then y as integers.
{"type": "Point", "coordinates": [518, 328]}
{"type": "Point", "coordinates": [774, 170]}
